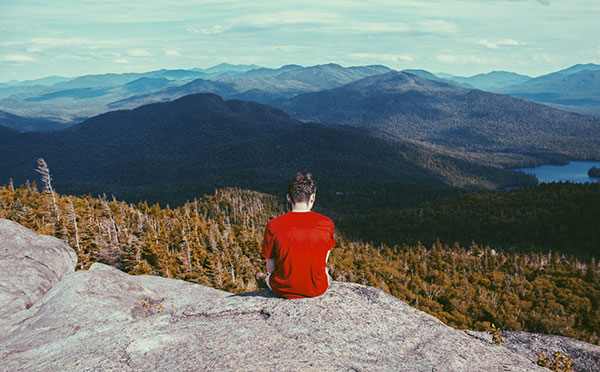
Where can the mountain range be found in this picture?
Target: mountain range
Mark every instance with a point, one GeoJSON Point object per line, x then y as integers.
{"type": "Point", "coordinates": [23, 124]}
{"type": "Point", "coordinates": [576, 88]}
{"type": "Point", "coordinates": [74, 100]}
{"type": "Point", "coordinates": [262, 85]}
{"type": "Point", "coordinates": [492, 81]}
{"type": "Point", "coordinates": [71, 100]}
{"type": "Point", "coordinates": [461, 119]}
{"type": "Point", "coordinates": [380, 127]}
{"type": "Point", "coordinates": [174, 151]}
{"type": "Point", "coordinates": [101, 80]}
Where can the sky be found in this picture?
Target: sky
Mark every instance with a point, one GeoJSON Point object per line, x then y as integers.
{"type": "Point", "coordinates": [40, 38]}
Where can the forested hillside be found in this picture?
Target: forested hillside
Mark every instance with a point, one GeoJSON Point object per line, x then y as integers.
{"type": "Point", "coordinates": [170, 152]}
{"type": "Point", "coordinates": [576, 88]}
{"type": "Point", "coordinates": [215, 241]}
{"type": "Point", "coordinates": [562, 217]}
{"type": "Point", "coordinates": [462, 119]}
{"type": "Point", "coordinates": [23, 124]}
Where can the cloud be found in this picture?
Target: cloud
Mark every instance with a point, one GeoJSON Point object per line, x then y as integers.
{"type": "Point", "coordinates": [286, 48]}
{"type": "Point", "coordinates": [172, 53]}
{"type": "Point", "coordinates": [288, 18]}
{"type": "Point", "coordinates": [265, 20]}
{"type": "Point", "coordinates": [510, 42]}
{"type": "Point", "coordinates": [40, 43]}
{"type": "Point", "coordinates": [272, 19]}
{"type": "Point", "coordinates": [121, 60]}
{"type": "Point", "coordinates": [34, 49]}
{"type": "Point", "coordinates": [463, 59]}
{"type": "Point", "coordinates": [18, 58]}
{"type": "Point", "coordinates": [59, 42]}
{"type": "Point", "coordinates": [437, 26]}
{"type": "Point", "coordinates": [497, 44]}
{"type": "Point", "coordinates": [382, 57]}
{"type": "Point", "coordinates": [446, 58]}
{"type": "Point", "coordinates": [543, 2]}
{"type": "Point", "coordinates": [213, 30]}
{"type": "Point", "coordinates": [547, 58]}
{"type": "Point", "coordinates": [371, 27]}
{"type": "Point", "coordinates": [139, 53]}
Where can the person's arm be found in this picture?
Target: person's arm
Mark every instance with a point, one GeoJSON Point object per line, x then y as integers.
{"type": "Point", "coordinates": [267, 248]}
{"type": "Point", "coordinates": [332, 232]}
{"type": "Point", "coordinates": [271, 265]}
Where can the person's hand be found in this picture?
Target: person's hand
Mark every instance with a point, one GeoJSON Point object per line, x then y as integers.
{"type": "Point", "coordinates": [260, 280]}
{"type": "Point", "coordinates": [261, 276]}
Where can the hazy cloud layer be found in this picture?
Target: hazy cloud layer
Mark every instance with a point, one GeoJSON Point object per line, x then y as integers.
{"type": "Point", "coordinates": [466, 37]}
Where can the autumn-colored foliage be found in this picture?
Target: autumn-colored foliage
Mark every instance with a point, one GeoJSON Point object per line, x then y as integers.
{"type": "Point", "coordinates": [558, 362]}
{"type": "Point", "coordinates": [215, 241]}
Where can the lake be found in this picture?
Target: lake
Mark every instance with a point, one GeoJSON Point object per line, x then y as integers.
{"type": "Point", "coordinates": [575, 171]}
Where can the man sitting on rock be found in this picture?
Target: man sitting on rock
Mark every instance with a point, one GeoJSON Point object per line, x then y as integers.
{"type": "Point", "coordinates": [297, 244]}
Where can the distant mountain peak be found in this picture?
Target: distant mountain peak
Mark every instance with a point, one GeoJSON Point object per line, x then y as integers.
{"type": "Point", "coordinates": [335, 65]}
{"type": "Point", "coordinates": [287, 67]}
{"type": "Point", "coordinates": [578, 67]}
{"type": "Point", "coordinates": [229, 65]}
{"type": "Point", "coordinates": [228, 68]}
{"type": "Point", "coordinates": [493, 81]}
{"type": "Point", "coordinates": [501, 73]}
{"type": "Point", "coordinates": [397, 80]}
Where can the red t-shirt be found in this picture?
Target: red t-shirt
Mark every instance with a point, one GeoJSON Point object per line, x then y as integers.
{"type": "Point", "coordinates": [299, 242]}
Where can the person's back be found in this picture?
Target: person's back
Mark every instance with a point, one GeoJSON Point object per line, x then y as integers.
{"type": "Point", "coordinates": [296, 245]}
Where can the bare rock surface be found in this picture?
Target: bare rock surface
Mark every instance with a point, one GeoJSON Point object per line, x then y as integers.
{"type": "Point", "coordinates": [105, 320]}
{"type": "Point", "coordinates": [30, 264]}
{"type": "Point", "coordinates": [585, 356]}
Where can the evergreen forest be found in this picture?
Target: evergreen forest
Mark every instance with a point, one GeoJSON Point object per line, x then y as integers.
{"type": "Point", "coordinates": [562, 217]}
{"type": "Point", "coordinates": [215, 241]}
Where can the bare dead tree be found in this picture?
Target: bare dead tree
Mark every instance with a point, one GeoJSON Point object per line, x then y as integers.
{"type": "Point", "coordinates": [42, 169]}
{"type": "Point", "coordinates": [74, 218]}
{"type": "Point", "coordinates": [112, 220]}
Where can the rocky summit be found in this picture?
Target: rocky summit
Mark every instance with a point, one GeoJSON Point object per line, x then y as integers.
{"type": "Point", "coordinates": [105, 320]}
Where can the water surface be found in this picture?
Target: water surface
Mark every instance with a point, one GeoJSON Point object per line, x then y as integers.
{"type": "Point", "coordinates": [575, 171]}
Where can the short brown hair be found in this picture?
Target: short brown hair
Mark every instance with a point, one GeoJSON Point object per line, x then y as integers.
{"type": "Point", "coordinates": [301, 187]}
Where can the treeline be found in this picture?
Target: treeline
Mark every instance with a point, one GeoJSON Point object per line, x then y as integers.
{"type": "Point", "coordinates": [563, 217]}
{"type": "Point", "coordinates": [215, 241]}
